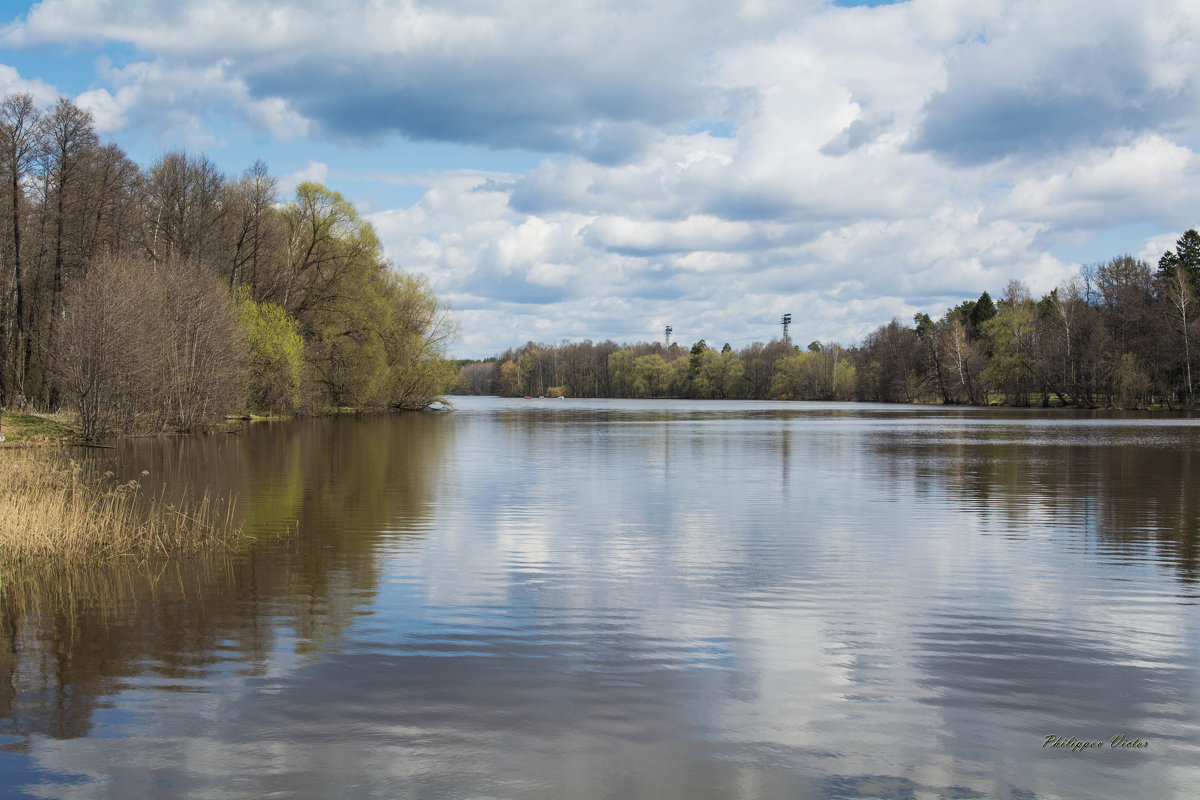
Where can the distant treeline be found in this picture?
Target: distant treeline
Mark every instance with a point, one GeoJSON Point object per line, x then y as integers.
{"type": "Point", "coordinates": [164, 297]}
{"type": "Point", "coordinates": [1119, 334]}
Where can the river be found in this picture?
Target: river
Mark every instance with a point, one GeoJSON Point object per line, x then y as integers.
{"type": "Point", "coordinates": [635, 599]}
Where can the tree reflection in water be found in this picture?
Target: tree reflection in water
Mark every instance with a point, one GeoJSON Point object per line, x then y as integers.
{"type": "Point", "coordinates": [71, 636]}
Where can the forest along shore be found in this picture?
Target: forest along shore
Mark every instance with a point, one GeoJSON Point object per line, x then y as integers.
{"type": "Point", "coordinates": [1117, 335]}
{"type": "Point", "coordinates": [165, 297]}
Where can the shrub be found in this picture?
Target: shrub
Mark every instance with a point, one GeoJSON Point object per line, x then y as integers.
{"type": "Point", "coordinates": [276, 355]}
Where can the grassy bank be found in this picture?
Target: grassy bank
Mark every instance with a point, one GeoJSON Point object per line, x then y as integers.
{"type": "Point", "coordinates": [52, 511]}
{"type": "Point", "coordinates": [27, 429]}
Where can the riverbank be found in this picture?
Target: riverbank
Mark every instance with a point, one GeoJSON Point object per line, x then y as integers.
{"type": "Point", "coordinates": [42, 430]}
{"type": "Point", "coordinates": [35, 429]}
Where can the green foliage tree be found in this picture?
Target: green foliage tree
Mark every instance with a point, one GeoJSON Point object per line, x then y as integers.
{"type": "Point", "coordinates": [651, 376]}
{"type": "Point", "coordinates": [722, 372]}
{"type": "Point", "coordinates": [276, 355]}
{"type": "Point", "coordinates": [1010, 336]}
{"type": "Point", "coordinates": [621, 373]}
{"type": "Point", "coordinates": [1186, 255]}
{"type": "Point", "coordinates": [982, 310]}
{"type": "Point", "coordinates": [373, 337]}
{"type": "Point", "coordinates": [679, 383]}
{"type": "Point", "coordinates": [697, 383]}
{"type": "Point", "coordinates": [418, 328]}
{"type": "Point", "coordinates": [509, 382]}
{"type": "Point", "coordinates": [791, 378]}
{"type": "Point", "coordinates": [845, 378]}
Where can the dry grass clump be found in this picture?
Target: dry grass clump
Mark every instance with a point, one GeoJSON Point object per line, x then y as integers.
{"type": "Point", "coordinates": [52, 511]}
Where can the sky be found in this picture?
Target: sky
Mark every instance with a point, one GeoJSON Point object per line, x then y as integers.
{"type": "Point", "coordinates": [600, 169]}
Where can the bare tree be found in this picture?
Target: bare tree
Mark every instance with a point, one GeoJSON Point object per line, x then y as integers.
{"type": "Point", "coordinates": [894, 367]}
{"type": "Point", "coordinates": [68, 137]}
{"type": "Point", "coordinates": [966, 361]}
{"type": "Point", "coordinates": [203, 357]}
{"type": "Point", "coordinates": [108, 215]}
{"type": "Point", "coordinates": [184, 211]}
{"type": "Point", "coordinates": [1182, 301]}
{"type": "Point", "coordinates": [20, 136]}
{"type": "Point", "coordinates": [930, 334]}
{"type": "Point", "coordinates": [146, 346]}
{"type": "Point", "coordinates": [1061, 358]}
{"type": "Point", "coordinates": [256, 230]}
{"type": "Point", "coordinates": [105, 346]}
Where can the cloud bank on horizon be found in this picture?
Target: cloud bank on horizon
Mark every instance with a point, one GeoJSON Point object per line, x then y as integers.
{"type": "Point", "coordinates": [602, 168]}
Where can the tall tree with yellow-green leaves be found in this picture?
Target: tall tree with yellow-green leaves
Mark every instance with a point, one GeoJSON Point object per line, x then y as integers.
{"type": "Point", "coordinates": [373, 336]}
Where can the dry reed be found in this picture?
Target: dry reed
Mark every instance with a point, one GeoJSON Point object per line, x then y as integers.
{"type": "Point", "coordinates": [51, 511]}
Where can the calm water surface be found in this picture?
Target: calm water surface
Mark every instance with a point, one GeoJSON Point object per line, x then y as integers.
{"type": "Point", "coordinates": [624, 599]}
